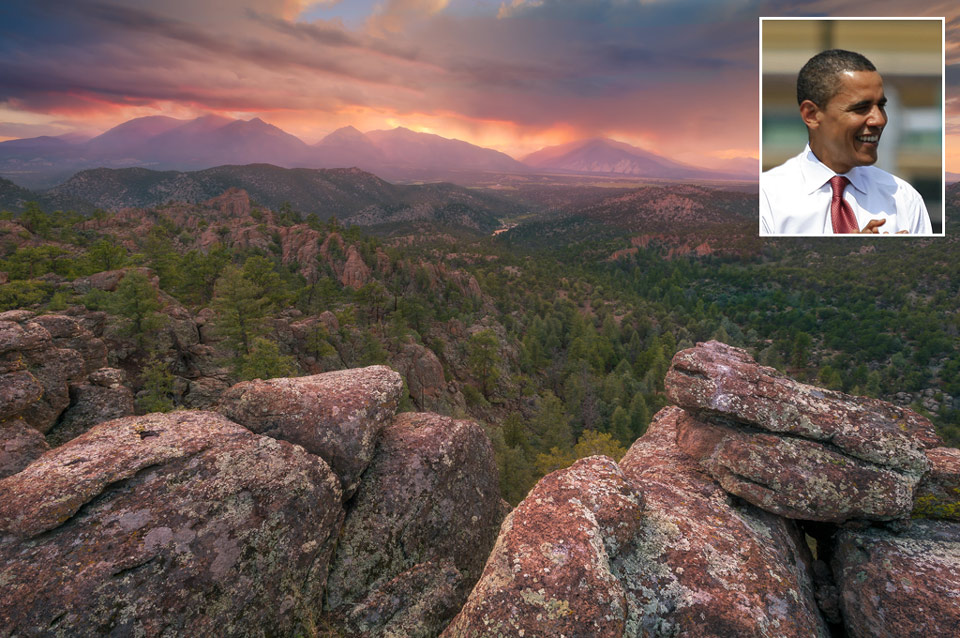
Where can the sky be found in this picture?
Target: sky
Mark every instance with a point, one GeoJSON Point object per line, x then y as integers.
{"type": "Point", "coordinates": [677, 77]}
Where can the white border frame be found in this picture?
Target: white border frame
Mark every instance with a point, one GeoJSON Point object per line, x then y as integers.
{"type": "Point", "coordinates": [943, 113]}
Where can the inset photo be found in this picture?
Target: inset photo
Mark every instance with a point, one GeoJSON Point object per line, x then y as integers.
{"type": "Point", "coordinates": [852, 126]}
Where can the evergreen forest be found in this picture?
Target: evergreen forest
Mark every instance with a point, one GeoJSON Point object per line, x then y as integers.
{"type": "Point", "coordinates": [559, 351]}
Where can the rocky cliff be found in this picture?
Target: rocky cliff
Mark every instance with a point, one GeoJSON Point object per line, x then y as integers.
{"type": "Point", "coordinates": [316, 509]}
{"type": "Point", "coordinates": [756, 506]}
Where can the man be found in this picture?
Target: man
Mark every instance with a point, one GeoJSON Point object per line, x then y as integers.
{"type": "Point", "coordinates": [832, 187]}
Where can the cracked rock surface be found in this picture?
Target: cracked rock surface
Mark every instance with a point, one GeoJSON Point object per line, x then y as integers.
{"type": "Point", "coordinates": [167, 524]}
{"type": "Point", "coordinates": [335, 415]}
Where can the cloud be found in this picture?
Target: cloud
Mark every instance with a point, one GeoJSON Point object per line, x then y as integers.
{"type": "Point", "coordinates": [393, 16]}
{"type": "Point", "coordinates": [678, 74]}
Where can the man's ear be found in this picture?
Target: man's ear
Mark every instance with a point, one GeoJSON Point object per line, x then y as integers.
{"type": "Point", "coordinates": [810, 114]}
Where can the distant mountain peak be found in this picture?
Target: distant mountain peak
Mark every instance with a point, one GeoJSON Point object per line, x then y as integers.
{"type": "Point", "coordinates": [601, 155]}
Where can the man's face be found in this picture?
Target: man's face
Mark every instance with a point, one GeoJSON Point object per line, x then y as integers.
{"type": "Point", "coordinates": [846, 132]}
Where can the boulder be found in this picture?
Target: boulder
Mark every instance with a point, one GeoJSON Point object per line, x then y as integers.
{"type": "Point", "coordinates": [796, 477]}
{"type": "Point", "coordinates": [425, 516]}
{"type": "Point", "coordinates": [14, 336]}
{"type": "Point", "coordinates": [107, 377]}
{"type": "Point", "coordinates": [91, 404]}
{"type": "Point", "coordinates": [335, 415]}
{"type": "Point", "coordinates": [563, 563]}
{"type": "Point", "coordinates": [717, 380]}
{"type": "Point", "coordinates": [708, 564]}
{"type": "Point", "coordinates": [938, 495]}
{"type": "Point", "coordinates": [900, 582]}
{"type": "Point", "coordinates": [39, 358]}
{"type": "Point", "coordinates": [794, 449]}
{"type": "Point", "coordinates": [67, 332]}
{"type": "Point", "coordinates": [20, 445]}
{"type": "Point", "coordinates": [204, 393]}
{"type": "Point", "coordinates": [54, 369]}
{"type": "Point", "coordinates": [415, 604]}
{"type": "Point", "coordinates": [356, 273]}
{"type": "Point", "coordinates": [167, 524]}
{"type": "Point", "coordinates": [183, 331]}
{"type": "Point", "coordinates": [18, 391]}
{"type": "Point", "coordinates": [422, 370]}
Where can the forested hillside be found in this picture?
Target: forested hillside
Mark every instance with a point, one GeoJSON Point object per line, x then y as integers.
{"type": "Point", "coordinates": [560, 351]}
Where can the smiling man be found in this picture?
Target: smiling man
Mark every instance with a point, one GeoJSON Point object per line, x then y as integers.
{"type": "Point", "coordinates": [832, 187]}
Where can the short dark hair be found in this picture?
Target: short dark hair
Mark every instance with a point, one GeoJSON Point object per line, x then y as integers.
{"type": "Point", "coordinates": [818, 81]}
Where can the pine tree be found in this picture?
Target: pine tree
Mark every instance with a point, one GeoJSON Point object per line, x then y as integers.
{"type": "Point", "coordinates": [241, 310]}
{"type": "Point", "coordinates": [136, 299]}
{"type": "Point", "coordinates": [264, 361]}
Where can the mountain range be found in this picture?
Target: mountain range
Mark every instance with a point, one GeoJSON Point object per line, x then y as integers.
{"type": "Point", "coordinates": [349, 194]}
{"type": "Point", "coordinates": [165, 143]}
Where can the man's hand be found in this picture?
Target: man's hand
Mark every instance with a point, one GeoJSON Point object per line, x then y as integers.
{"type": "Point", "coordinates": [874, 224]}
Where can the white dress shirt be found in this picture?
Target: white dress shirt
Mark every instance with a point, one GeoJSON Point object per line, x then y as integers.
{"type": "Point", "coordinates": [795, 199]}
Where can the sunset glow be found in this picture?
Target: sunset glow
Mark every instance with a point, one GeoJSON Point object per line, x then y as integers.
{"type": "Point", "coordinates": [676, 78]}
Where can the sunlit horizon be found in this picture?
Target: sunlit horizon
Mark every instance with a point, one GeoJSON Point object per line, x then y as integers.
{"type": "Point", "coordinates": [678, 79]}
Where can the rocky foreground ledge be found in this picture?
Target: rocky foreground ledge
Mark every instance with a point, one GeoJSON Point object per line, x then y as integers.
{"type": "Point", "coordinates": [756, 506]}
{"type": "Point", "coordinates": [193, 524]}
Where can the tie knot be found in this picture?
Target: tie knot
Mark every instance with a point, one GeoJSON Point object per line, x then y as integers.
{"type": "Point", "coordinates": [838, 183]}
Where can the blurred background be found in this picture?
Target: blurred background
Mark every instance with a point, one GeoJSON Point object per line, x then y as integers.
{"type": "Point", "coordinates": [909, 56]}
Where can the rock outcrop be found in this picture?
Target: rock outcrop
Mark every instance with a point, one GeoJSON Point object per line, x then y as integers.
{"type": "Point", "coordinates": [756, 507]}
{"type": "Point", "coordinates": [182, 524]}
{"type": "Point", "coordinates": [337, 415]}
{"type": "Point", "coordinates": [422, 371]}
{"type": "Point", "coordinates": [705, 528]}
{"type": "Point", "coordinates": [713, 565]}
{"type": "Point", "coordinates": [563, 562]}
{"type": "Point", "coordinates": [20, 444]}
{"type": "Point", "coordinates": [356, 273]}
{"type": "Point", "coordinates": [938, 495]}
{"type": "Point", "coordinates": [43, 359]}
{"type": "Point", "coordinates": [418, 530]}
{"type": "Point", "coordinates": [102, 397]}
{"type": "Point", "coordinates": [900, 582]}
{"type": "Point", "coordinates": [794, 449]}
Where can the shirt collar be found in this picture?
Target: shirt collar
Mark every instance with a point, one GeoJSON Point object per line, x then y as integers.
{"type": "Point", "coordinates": [815, 173]}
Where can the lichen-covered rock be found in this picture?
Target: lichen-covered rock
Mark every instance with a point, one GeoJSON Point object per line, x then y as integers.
{"type": "Point", "coordinates": [68, 332]}
{"type": "Point", "coordinates": [900, 582]}
{"type": "Point", "coordinates": [714, 379]}
{"type": "Point", "coordinates": [335, 415]}
{"type": "Point", "coordinates": [938, 495]}
{"type": "Point", "coordinates": [429, 497]}
{"type": "Point", "coordinates": [39, 358]}
{"type": "Point", "coordinates": [562, 562]}
{"type": "Point", "coordinates": [707, 564]}
{"type": "Point", "coordinates": [356, 273]}
{"type": "Point", "coordinates": [14, 336]}
{"type": "Point", "coordinates": [422, 370]}
{"type": "Point", "coordinates": [415, 604]}
{"type": "Point", "coordinates": [204, 393]}
{"type": "Point", "coordinates": [18, 390]}
{"type": "Point", "coordinates": [90, 404]}
{"type": "Point", "coordinates": [796, 477]}
{"type": "Point", "coordinates": [55, 369]}
{"type": "Point", "coordinates": [20, 444]}
{"type": "Point", "coordinates": [168, 524]}
{"type": "Point", "coordinates": [107, 377]}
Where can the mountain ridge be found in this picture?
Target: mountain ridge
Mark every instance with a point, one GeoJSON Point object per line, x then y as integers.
{"type": "Point", "coordinates": [165, 143]}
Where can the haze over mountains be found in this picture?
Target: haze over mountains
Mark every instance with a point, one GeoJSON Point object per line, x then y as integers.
{"type": "Point", "coordinates": [165, 143]}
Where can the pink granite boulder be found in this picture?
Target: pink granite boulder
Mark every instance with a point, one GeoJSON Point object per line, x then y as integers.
{"type": "Point", "coordinates": [898, 582]}
{"type": "Point", "coordinates": [180, 523]}
{"type": "Point", "coordinates": [335, 415]}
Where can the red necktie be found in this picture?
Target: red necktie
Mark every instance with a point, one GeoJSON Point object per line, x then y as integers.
{"type": "Point", "coordinates": [844, 221]}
